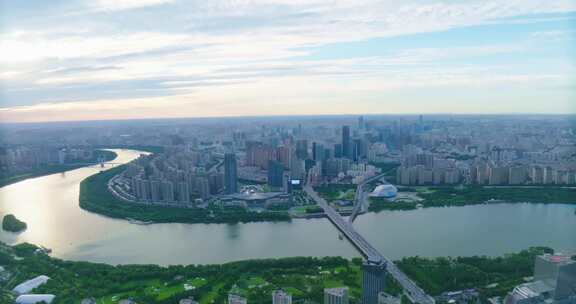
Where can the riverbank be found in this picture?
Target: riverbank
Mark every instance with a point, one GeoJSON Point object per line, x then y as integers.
{"type": "Point", "coordinates": [95, 197]}
{"type": "Point", "coordinates": [6, 180]}
{"type": "Point", "coordinates": [303, 277]}
{"type": "Point", "coordinates": [474, 195]}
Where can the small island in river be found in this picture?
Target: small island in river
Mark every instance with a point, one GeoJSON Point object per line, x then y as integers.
{"type": "Point", "coordinates": [12, 224]}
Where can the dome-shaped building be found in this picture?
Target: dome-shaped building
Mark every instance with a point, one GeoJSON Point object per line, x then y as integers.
{"type": "Point", "coordinates": [385, 191]}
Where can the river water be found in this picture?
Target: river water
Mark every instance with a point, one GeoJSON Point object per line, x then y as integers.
{"type": "Point", "coordinates": [49, 205]}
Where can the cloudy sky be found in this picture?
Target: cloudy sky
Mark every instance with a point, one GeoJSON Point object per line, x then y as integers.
{"type": "Point", "coordinates": [110, 59]}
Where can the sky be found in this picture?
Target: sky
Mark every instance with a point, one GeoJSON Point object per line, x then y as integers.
{"type": "Point", "coordinates": [130, 59]}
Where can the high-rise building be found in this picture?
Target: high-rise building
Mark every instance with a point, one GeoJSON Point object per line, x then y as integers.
{"type": "Point", "coordinates": [285, 156]}
{"type": "Point", "coordinates": [318, 152]}
{"type": "Point", "coordinates": [337, 150]}
{"type": "Point", "coordinates": [302, 149]}
{"type": "Point", "coordinates": [183, 192]}
{"type": "Point", "coordinates": [203, 186]}
{"type": "Point", "coordinates": [168, 191]}
{"type": "Point", "coordinates": [498, 176]}
{"type": "Point", "coordinates": [554, 282]}
{"type": "Point", "coordinates": [297, 169]}
{"type": "Point", "coordinates": [155, 191]}
{"type": "Point", "coordinates": [373, 281]}
{"type": "Point", "coordinates": [559, 271]}
{"type": "Point", "coordinates": [281, 297]}
{"type": "Point", "coordinates": [356, 149]}
{"type": "Point", "coordinates": [275, 174]}
{"type": "Point", "coordinates": [230, 173]}
{"type": "Point", "coordinates": [346, 143]}
{"type": "Point", "coordinates": [338, 295]}
{"type": "Point", "coordinates": [518, 175]}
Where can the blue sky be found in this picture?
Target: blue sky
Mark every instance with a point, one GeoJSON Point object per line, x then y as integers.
{"type": "Point", "coordinates": [112, 59]}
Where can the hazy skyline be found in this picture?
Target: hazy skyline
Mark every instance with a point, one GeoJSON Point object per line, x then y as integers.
{"type": "Point", "coordinates": [86, 60]}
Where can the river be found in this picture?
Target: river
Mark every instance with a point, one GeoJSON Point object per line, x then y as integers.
{"type": "Point", "coordinates": [49, 205]}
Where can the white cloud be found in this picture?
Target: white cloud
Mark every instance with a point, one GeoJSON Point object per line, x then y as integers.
{"type": "Point", "coordinates": [119, 5]}
{"type": "Point", "coordinates": [257, 46]}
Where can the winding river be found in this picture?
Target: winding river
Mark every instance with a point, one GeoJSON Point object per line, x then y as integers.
{"type": "Point", "coordinates": [49, 205]}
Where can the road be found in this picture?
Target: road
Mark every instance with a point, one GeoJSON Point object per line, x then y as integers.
{"type": "Point", "coordinates": [360, 196]}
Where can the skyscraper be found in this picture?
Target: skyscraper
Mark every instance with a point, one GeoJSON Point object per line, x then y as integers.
{"type": "Point", "coordinates": [275, 174]}
{"type": "Point", "coordinates": [318, 152]}
{"type": "Point", "coordinates": [338, 295]}
{"type": "Point", "coordinates": [373, 281]}
{"type": "Point", "coordinates": [302, 149]}
{"type": "Point", "coordinates": [356, 149]}
{"type": "Point", "coordinates": [338, 150]}
{"type": "Point", "coordinates": [346, 144]}
{"type": "Point", "coordinates": [230, 173]}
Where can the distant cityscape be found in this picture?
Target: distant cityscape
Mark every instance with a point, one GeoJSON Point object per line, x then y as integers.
{"type": "Point", "coordinates": [322, 167]}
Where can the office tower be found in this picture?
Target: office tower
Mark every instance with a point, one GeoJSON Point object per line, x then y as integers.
{"type": "Point", "coordinates": [356, 147]}
{"type": "Point", "coordinates": [236, 299]}
{"type": "Point", "coordinates": [338, 295]}
{"type": "Point", "coordinates": [559, 272]}
{"type": "Point", "coordinates": [216, 181]}
{"type": "Point", "coordinates": [337, 150]}
{"type": "Point", "coordinates": [318, 152]}
{"type": "Point", "coordinates": [302, 149]}
{"type": "Point", "coordinates": [361, 123]}
{"type": "Point", "coordinates": [297, 170]}
{"type": "Point", "coordinates": [230, 173]}
{"type": "Point", "coordinates": [284, 156]}
{"type": "Point", "coordinates": [554, 282]}
{"type": "Point", "coordinates": [275, 174]}
{"type": "Point", "coordinates": [373, 281]}
{"type": "Point", "coordinates": [346, 144]}
{"type": "Point", "coordinates": [281, 297]}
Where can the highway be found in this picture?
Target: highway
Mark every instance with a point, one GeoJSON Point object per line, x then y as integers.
{"type": "Point", "coordinates": [415, 293]}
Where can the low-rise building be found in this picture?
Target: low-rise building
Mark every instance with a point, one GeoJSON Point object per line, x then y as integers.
{"type": "Point", "coordinates": [236, 299]}
{"type": "Point", "coordinates": [281, 297]}
{"type": "Point", "coordinates": [28, 286]}
{"type": "Point", "coordinates": [338, 295]}
{"type": "Point", "coordinates": [35, 299]}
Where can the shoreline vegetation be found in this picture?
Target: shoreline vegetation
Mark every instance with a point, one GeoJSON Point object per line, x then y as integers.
{"type": "Point", "coordinates": [446, 196]}
{"type": "Point", "coordinates": [12, 224]}
{"type": "Point", "coordinates": [303, 277]}
{"type": "Point", "coordinates": [6, 180]}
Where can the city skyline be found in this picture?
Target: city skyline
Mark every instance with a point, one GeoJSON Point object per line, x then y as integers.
{"type": "Point", "coordinates": [104, 60]}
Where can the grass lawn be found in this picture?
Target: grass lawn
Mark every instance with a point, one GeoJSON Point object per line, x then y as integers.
{"type": "Point", "coordinates": [209, 297]}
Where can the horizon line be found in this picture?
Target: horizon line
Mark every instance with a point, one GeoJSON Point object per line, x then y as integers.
{"type": "Point", "coordinates": [286, 116]}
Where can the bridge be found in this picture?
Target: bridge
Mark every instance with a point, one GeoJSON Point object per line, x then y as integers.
{"type": "Point", "coordinates": [360, 196]}
{"type": "Point", "coordinates": [372, 256]}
